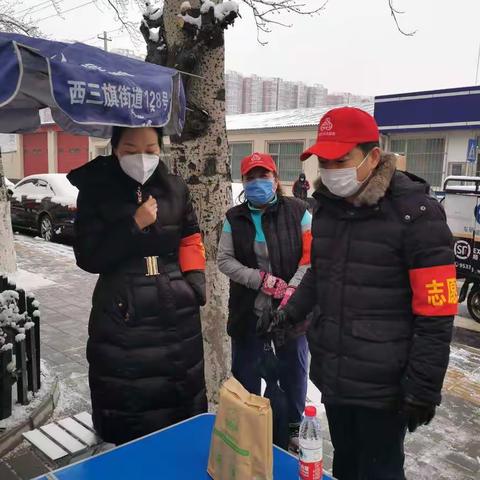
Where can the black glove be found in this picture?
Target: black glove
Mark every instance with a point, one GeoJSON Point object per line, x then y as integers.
{"type": "Point", "coordinates": [196, 279]}
{"type": "Point", "coordinates": [417, 413]}
{"type": "Point", "coordinates": [274, 324]}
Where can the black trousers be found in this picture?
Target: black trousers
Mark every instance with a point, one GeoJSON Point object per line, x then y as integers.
{"type": "Point", "coordinates": [367, 442]}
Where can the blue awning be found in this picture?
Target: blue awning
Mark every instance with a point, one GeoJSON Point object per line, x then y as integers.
{"type": "Point", "coordinates": [455, 108]}
{"type": "Point", "coordinates": [87, 89]}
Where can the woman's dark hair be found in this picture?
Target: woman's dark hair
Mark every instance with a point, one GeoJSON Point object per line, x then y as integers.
{"type": "Point", "coordinates": [367, 147]}
{"type": "Point", "coordinates": [117, 133]}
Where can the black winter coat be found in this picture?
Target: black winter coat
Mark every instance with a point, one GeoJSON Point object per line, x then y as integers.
{"type": "Point", "coordinates": [145, 349]}
{"type": "Point", "coordinates": [368, 345]}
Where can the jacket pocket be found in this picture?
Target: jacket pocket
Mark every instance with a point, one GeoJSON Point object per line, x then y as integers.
{"type": "Point", "coordinates": [113, 296]}
{"type": "Point", "coordinates": [381, 330]}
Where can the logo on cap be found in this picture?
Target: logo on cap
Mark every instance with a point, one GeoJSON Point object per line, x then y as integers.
{"type": "Point", "coordinates": [327, 125]}
{"type": "Point", "coordinates": [256, 157]}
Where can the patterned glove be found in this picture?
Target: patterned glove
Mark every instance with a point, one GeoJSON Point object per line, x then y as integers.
{"type": "Point", "coordinates": [273, 286]}
{"type": "Point", "coordinates": [289, 292]}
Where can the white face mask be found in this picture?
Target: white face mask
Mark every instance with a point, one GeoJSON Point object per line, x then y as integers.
{"type": "Point", "coordinates": [343, 182]}
{"type": "Point", "coordinates": [139, 166]}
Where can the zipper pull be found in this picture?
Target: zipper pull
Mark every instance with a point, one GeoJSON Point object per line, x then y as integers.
{"type": "Point", "coordinates": [139, 195]}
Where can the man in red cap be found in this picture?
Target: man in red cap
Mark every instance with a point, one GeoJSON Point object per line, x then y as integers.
{"type": "Point", "coordinates": [382, 289]}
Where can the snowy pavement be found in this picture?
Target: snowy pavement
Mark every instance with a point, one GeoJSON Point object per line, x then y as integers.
{"type": "Point", "coordinates": [449, 448]}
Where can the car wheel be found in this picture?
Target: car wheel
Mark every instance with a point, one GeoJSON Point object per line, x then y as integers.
{"type": "Point", "coordinates": [46, 228]}
{"type": "Point", "coordinates": [473, 304]}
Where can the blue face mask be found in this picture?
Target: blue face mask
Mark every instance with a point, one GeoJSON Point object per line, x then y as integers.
{"type": "Point", "coordinates": [259, 191]}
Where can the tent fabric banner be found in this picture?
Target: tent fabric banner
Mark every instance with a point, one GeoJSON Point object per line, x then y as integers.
{"type": "Point", "coordinates": [87, 89]}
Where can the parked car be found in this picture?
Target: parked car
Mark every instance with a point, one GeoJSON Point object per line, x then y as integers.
{"type": "Point", "coordinates": [45, 204]}
{"type": "Point", "coordinates": [9, 185]}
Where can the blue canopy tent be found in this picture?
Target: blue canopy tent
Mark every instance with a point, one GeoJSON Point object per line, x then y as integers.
{"type": "Point", "coordinates": [87, 89]}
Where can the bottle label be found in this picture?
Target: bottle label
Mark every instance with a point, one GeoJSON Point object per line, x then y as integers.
{"type": "Point", "coordinates": [311, 464]}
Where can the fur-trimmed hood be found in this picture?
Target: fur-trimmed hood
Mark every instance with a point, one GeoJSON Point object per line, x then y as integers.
{"type": "Point", "coordinates": [375, 188]}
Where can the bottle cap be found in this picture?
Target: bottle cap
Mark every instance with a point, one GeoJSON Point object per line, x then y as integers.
{"type": "Point", "coordinates": [310, 411]}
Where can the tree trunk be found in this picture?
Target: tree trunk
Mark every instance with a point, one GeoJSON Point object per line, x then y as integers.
{"type": "Point", "coordinates": [8, 261]}
{"type": "Point", "coordinates": [203, 162]}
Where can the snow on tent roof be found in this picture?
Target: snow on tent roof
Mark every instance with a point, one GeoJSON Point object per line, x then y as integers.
{"type": "Point", "coordinates": [299, 117]}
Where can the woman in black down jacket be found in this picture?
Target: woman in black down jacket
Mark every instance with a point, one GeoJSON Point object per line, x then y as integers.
{"type": "Point", "coordinates": [136, 227]}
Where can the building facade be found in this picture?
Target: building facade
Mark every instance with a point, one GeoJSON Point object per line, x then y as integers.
{"type": "Point", "coordinates": [234, 92]}
{"type": "Point", "coordinates": [283, 134]}
{"type": "Point", "coordinates": [50, 150]}
{"type": "Point", "coordinates": [435, 130]}
{"type": "Point", "coordinates": [438, 132]}
{"type": "Point", "coordinates": [251, 94]}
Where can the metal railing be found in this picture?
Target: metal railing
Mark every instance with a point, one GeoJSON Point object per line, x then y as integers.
{"type": "Point", "coordinates": [19, 346]}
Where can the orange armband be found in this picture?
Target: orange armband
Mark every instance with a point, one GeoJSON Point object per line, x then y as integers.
{"type": "Point", "coordinates": [191, 254]}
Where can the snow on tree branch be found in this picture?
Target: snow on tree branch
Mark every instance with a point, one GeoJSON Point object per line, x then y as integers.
{"type": "Point", "coordinates": [154, 12]}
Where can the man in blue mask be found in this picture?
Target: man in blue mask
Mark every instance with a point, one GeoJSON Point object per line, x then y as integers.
{"type": "Point", "coordinates": [382, 289]}
{"type": "Point", "coordinates": [265, 251]}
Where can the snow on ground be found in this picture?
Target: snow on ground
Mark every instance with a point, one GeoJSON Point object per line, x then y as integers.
{"type": "Point", "coordinates": [74, 395]}
{"type": "Point", "coordinates": [29, 281]}
{"type": "Point", "coordinates": [20, 413]}
{"type": "Point", "coordinates": [42, 246]}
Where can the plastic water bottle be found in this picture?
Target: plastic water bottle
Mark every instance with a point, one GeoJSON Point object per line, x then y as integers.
{"type": "Point", "coordinates": [311, 446]}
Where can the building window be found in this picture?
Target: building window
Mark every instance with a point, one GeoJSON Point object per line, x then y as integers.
{"type": "Point", "coordinates": [424, 157]}
{"type": "Point", "coordinates": [287, 158]}
{"type": "Point", "coordinates": [457, 168]}
{"type": "Point", "coordinates": [237, 152]}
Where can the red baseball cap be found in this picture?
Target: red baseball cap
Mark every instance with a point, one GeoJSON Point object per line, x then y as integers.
{"type": "Point", "coordinates": [340, 130]}
{"type": "Point", "coordinates": [257, 160]}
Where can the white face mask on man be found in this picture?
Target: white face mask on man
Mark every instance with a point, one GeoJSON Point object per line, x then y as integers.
{"type": "Point", "coordinates": [343, 182]}
{"type": "Point", "coordinates": [139, 166]}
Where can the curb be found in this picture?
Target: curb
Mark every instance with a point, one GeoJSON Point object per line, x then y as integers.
{"type": "Point", "coordinates": [13, 437]}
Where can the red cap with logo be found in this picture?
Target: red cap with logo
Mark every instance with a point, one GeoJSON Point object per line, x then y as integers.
{"type": "Point", "coordinates": [340, 130]}
{"type": "Point", "coordinates": [257, 160]}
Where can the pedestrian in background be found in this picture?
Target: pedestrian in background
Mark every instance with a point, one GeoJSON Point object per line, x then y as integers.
{"type": "Point", "coordinates": [301, 187]}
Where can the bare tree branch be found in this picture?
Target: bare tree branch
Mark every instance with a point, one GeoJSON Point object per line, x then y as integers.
{"type": "Point", "coordinates": [13, 23]}
{"type": "Point", "coordinates": [264, 10]}
{"type": "Point", "coordinates": [394, 12]}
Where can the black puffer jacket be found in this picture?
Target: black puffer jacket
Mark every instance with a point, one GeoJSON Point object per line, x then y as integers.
{"type": "Point", "coordinates": [145, 347]}
{"type": "Point", "coordinates": [369, 345]}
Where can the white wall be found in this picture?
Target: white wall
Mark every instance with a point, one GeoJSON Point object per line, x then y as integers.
{"type": "Point", "coordinates": [12, 155]}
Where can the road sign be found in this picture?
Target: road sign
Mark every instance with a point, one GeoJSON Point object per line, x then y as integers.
{"type": "Point", "coordinates": [472, 150]}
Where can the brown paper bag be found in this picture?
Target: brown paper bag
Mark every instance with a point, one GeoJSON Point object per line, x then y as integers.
{"type": "Point", "coordinates": [241, 446]}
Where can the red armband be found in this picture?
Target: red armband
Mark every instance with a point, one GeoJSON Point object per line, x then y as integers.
{"type": "Point", "coordinates": [434, 291]}
{"type": "Point", "coordinates": [307, 248]}
{"type": "Point", "coordinates": [191, 253]}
